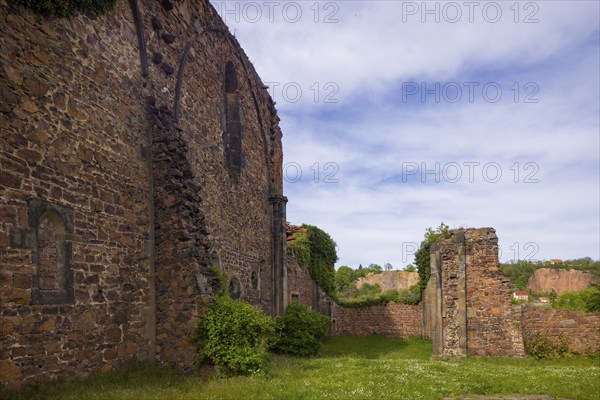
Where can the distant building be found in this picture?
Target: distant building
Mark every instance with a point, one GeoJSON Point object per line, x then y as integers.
{"type": "Point", "coordinates": [544, 300]}
{"type": "Point", "coordinates": [521, 295]}
{"type": "Point", "coordinates": [556, 261]}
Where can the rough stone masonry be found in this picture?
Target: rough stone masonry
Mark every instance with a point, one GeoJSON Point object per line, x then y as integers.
{"type": "Point", "coordinates": [139, 149]}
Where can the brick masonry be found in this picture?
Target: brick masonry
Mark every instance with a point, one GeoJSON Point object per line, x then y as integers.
{"type": "Point", "coordinates": [581, 330]}
{"type": "Point", "coordinates": [115, 136]}
{"type": "Point", "coordinates": [301, 288]}
{"type": "Point", "coordinates": [467, 301]}
{"type": "Point", "coordinates": [392, 319]}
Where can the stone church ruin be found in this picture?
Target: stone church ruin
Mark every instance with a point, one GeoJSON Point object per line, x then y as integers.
{"type": "Point", "coordinates": [140, 155]}
{"type": "Point", "coordinates": [140, 149]}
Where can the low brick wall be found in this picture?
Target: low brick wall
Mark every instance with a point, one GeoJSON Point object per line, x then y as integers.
{"type": "Point", "coordinates": [393, 319]}
{"type": "Point", "coordinates": [582, 330]}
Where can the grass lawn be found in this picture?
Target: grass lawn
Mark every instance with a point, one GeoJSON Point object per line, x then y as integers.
{"type": "Point", "coordinates": [347, 368]}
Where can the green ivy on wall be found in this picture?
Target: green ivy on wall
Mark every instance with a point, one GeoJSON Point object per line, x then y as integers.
{"type": "Point", "coordinates": [67, 8]}
{"type": "Point", "coordinates": [315, 249]}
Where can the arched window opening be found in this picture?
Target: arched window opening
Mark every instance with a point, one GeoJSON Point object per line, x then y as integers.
{"type": "Point", "coordinates": [50, 266]}
{"type": "Point", "coordinates": [53, 281]}
{"type": "Point", "coordinates": [234, 288]}
{"type": "Point", "coordinates": [233, 124]}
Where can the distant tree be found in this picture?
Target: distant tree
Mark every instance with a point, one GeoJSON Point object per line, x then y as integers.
{"type": "Point", "coordinates": [375, 268]}
{"type": "Point", "coordinates": [343, 277]}
{"type": "Point", "coordinates": [410, 268]}
{"type": "Point", "coordinates": [359, 266]}
{"type": "Point", "coordinates": [388, 267]}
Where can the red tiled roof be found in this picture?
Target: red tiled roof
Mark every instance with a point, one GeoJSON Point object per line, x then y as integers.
{"type": "Point", "coordinates": [521, 293]}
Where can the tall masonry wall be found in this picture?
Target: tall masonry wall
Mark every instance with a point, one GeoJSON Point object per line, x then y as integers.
{"type": "Point", "coordinates": [139, 149]}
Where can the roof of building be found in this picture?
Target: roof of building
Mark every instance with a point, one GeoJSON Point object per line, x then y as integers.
{"type": "Point", "coordinates": [292, 231]}
{"type": "Point", "coordinates": [521, 293]}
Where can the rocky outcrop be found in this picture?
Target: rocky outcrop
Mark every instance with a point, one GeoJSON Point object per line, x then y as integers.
{"type": "Point", "coordinates": [391, 280]}
{"type": "Point", "coordinates": [560, 280]}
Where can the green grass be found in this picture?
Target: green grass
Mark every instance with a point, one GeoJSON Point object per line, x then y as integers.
{"type": "Point", "coordinates": [347, 368]}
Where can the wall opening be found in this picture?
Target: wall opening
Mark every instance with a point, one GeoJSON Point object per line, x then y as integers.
{"type": "Point", "coordinates": [53, 280]}
{"type": "Point", "coordinates": [254, 280]}
{"type": "Point", "coordinates": [234, 288]}
{"type": "Point", "coordinates": [51, 262]}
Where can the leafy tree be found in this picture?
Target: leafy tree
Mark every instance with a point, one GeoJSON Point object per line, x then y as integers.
{"type": "Point", "coordinates": [343, 277]}
{"type": "Point", "coordinates": [422, 258]}
{"type": "Point", "coordinates": [388, 267]}
{"type": "Point", "coordinates": [584, 300]}
{"type": "Point", "coordinates": [375, 268]}
{"type": "Point", "coordinates": [410, 268]}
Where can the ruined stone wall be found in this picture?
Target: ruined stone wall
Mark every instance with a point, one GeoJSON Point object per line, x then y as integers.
{"type": "Point", "coordinates": [300, 285]}
{"type": "Point", "coordinates": [208, 213]}
{"type": "Point", "coordinates": [392, 319]}
{"type": "Point", "coordinates": [151, 166]}
{"type": "Point", "coordinates": [493, 322]}
{"type": "Point", "coordinates": [303, 289]}
{"type": "Point", "coordinates": [581, 330]}
{"type": "Point", "coordinates": [468, 307]}
{"type": "Point", "coordinates": [73, 129]}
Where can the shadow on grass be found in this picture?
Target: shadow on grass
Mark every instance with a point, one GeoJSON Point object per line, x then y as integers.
{"type": "Point", "coordinates": [376, 347]}
{"type": "Point", "coordinates": [142, 375]}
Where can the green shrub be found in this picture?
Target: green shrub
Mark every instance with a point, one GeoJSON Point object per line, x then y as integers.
{"type": "Point", "coordinates": [234, 336]}
{"type": "Point", "coordinates": [66, 8]}
{"type": "Point", "coordinates": [593, 301]}
{"type": "Point", "coordinates": [299, 331]}
{"type": "Point", "coordinates": [542, 347]}
{"type": "Point", "coordinates": [587, 300]}
{"type": "Point", "coordinates": [411, 295]}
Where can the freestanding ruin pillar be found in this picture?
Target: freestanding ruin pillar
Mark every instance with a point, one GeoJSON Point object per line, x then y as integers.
{"type": "Point", "coordinates": [468, 308]}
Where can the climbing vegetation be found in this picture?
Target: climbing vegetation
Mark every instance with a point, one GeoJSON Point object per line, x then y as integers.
{"type": "Point", "coordinates": [422, 258]}
{"type": "Point", "coordinates": [316, 250]}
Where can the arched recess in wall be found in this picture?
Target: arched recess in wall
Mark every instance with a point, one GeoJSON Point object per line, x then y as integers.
{"type": "Point", "coordinates": [53, 280]}
{"type": "Point", "coordinates": [263, 134]}
{"type": "Point", "coordinates": [234, 287]}
{"type": "Point", "coordinates": [232, 140]}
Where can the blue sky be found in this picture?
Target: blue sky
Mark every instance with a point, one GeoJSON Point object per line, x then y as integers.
{"type": "Point", "coordinates": [378, 115]}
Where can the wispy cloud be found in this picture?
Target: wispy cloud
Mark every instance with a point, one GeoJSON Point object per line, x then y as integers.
{"type": "Point", "coordinates": [390, 131]}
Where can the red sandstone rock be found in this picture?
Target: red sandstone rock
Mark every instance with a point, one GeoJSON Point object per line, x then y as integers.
{"type": "Point", "coordinates": [391, 280]}
{"type": "Point", "coordinates": [560, 280]}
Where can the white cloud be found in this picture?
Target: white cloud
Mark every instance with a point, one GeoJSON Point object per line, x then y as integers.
{"type": "Point", "coordinates": [372, 213]}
